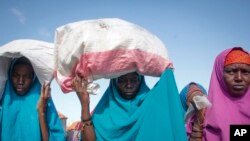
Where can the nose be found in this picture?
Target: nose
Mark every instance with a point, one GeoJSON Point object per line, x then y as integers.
{"type": "Point", "coordinates": [238, 76]}
{"type": "Point", "coordinates": [129, 84]}
{"type": "Point", "coordinates": [20, 80]}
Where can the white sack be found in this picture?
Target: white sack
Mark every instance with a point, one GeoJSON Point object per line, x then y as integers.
{"type": "Point", "coordinates": [106, 48]}
{"type": "Point", "coordinates": [201, 102]}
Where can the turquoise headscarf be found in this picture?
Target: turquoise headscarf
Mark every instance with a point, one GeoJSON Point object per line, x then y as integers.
{"type": "Point", "coordinates": [184, 94]}
{"type": "Point", "coordinates": [154, 114]}
{"type": "Point", "coordinates": [19, 117]}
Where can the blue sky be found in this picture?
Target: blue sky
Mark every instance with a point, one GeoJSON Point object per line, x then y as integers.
{"type": "Point", "coordinates": [194, 31]}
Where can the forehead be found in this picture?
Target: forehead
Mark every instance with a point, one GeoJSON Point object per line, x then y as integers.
{"type": "Point", "coordinates": [238, 65]}
{"type": "Point", "coordinates": [25, 67]}
{"type": "Point", "coordinates": [129, 75]}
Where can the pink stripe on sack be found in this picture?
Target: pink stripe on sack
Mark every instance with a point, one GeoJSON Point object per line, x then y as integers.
{"type": "Point", "coordinates": [117, 61]}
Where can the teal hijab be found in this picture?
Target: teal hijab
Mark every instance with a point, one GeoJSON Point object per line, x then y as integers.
{"type": "Point", "coordinates": [154, 114]}
{"type": "Point", "coordinates": [19, 117]}
{"type": "Point", "coordinates": [184, 94]}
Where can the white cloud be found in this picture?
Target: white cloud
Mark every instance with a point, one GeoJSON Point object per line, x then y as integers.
{"type": "Point", "coordinates": [20, 16]}
{"type": "Point", "coordinates": [44, 32]}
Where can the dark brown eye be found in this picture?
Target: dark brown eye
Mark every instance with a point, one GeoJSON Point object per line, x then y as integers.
{"type": "Point", "coordinates": [121, 80]}
{"type": "Point", "coordinates": [29, 76]}
{"type": "Point", "coordinates": [229, 71]}
{"type": "Point", "coordinates": [245, 71]}
{"type": "Point", "coordinates": [135, 80]}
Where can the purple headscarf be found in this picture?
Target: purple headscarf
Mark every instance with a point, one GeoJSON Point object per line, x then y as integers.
{"type": "Point", "coordinates": [225, 110]}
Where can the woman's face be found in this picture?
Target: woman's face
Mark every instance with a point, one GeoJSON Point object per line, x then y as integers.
{"type": "Point", "coordinates": [237, 78]}
{"type": "Point", "coordinates": [22, 76]}
{"type": "Point", "coordinates": [128, 85]}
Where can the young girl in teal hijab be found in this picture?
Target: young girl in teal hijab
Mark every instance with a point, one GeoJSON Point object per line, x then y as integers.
{"type": "Point", "coordinates": [154, 114]}
{"type": "Point", "coordinates": [19, 118]}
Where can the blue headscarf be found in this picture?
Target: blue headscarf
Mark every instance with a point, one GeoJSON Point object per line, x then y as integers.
{"type": "Point", "coordinates": [19, 119]}
{"type": "Point", "coordinates": [154, 114]}
{"type": "Point", "coordinates": [184, 94]}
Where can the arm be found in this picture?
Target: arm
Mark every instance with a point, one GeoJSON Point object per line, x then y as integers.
{"type": "Point", "coordinates": [42, 105]}
{"type": "Point", "coordinates": [197, 125]}
{"type": "Point", "coordinates": [197, 129]}
{"type": "Point", "coordinates": [80, 86]}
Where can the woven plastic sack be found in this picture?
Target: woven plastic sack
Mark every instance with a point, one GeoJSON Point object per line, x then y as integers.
{"type": "Point", "coordinates": [106, 48]}
{"type": "Point", "coordinates": [39, 53]}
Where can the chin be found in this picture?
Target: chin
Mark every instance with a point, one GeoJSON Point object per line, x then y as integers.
{"type": "Point", "coordinates": [238, 94]}
{"type": "Point", "coordinates": [128, 95]}
{"type": "Point", "coordinates": [21, 93]}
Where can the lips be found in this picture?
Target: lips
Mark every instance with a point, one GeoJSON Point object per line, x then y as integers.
{"type": "Point", "coordinates": [238, 87]}
{"type": "Point", "coordinates": [19, 88]}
